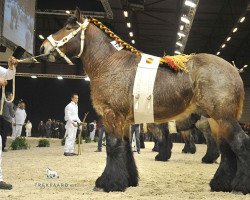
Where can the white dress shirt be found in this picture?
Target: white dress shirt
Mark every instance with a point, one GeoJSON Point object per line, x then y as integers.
{"type": "Point", "coordinates": [7, 74]}
{"type": "Point", "coordinates": [71, 114]}
{"type": "Point", "coordinates": [20, 116]}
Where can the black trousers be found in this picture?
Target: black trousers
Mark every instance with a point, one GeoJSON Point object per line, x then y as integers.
{"type": "Point", "coordinates": [6, 129]}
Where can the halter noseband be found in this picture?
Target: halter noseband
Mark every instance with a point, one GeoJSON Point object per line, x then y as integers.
{"type": "Point", "coordinates": [56, 44]}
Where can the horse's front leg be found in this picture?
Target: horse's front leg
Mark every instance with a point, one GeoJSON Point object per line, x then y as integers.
{"type": "Point", "coordinates": [120, 171]}
{"type": "Point", "coordinates": [212, 148]}
{"type": "Point", "coordinates": [161, 133]}
{"type": "Point", "coordinates": [189, 146]}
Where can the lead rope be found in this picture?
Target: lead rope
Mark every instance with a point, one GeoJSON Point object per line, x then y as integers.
{"type": "Point", "coordinates": [13, 92]}
{"type": "Point", "coordinates": [14, 82]}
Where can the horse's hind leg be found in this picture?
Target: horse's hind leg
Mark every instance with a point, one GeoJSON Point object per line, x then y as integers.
{"type": "Point", "coordinates": [226, 171]}
{"type": "Point", "coordinates": [240, 144]}
{"type": "Point", "coordinates": [235, 163]}
{"type": "Point", "coordinates": [120, 171]}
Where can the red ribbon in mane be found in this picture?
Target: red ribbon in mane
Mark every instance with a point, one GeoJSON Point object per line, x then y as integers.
{"type": "Point", "coordinates": [170, 62]}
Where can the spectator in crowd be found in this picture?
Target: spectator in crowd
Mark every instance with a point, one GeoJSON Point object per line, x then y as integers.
{"type": "Point", "coordinates": [18, 120]}
{"type": "Point", "coordinates": [8, 115]}
{"type": "Point", "coordinates": [48, 128]}
{"type": "Point", "coordinates": [92, 130]}
{"type": "Point", "coordinates": [142, 136]}
{"type": "Point", "coordinates": [85, 130]}
{"type": "Point", "coordinates": [28, 128]}
{"type": "Point", "coordinates": [61, 130]}
{"type": "Point", "coordinates": [53, 128]}
{"type": "Point", "coordinates": [57, 128]}
{"type": "Point", "coordinates": [101, 133]}
{"type": "Point", "coordinates": [135, 129]}
{"type": "Point", "coordinates": [41, 129]}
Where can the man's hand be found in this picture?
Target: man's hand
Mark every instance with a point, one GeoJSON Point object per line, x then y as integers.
{"type": "Point", "coordinates": [3, 82]}
{"type": "Point", "coordinates": [75, 124]}
{"type": "Point", "coordinates": [12, 62]}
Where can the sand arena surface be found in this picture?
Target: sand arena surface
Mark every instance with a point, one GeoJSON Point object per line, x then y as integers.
{"type": "Point", "coordinates": [183, 177]}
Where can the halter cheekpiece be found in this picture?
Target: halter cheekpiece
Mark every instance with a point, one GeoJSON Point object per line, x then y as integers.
{"type": "Point", "coordinates": [56, 44]}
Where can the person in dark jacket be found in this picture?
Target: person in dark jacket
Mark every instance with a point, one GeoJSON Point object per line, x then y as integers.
{"type": "Point", "coordinates": [41, 129]}
{"type": "Point", "coordinates": [7, 116]}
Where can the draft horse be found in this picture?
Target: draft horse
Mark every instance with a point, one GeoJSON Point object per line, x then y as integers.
{"type": "Point", "coordinates": [212, 87]}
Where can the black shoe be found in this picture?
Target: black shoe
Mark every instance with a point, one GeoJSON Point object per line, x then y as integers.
{"type": "Point", "coordinates": [68, 154]}
{"type": "Point", "coordinates": [4, 150]}
{"type": "Point", "coordinates": [138, 152]}
{"type": "Point", "coordinates": [98, 150]}
{"type": "Point", "coordinates": [74, 154]}
{"type": "Point", "coordinates": [5, 186]}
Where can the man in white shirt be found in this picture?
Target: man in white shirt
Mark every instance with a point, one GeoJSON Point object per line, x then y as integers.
{"type": "Point", "coordinates": [6, 74]}
{"type": "Point", "coordinates": [18, 120]}
{"type": "Point", "coordinates": [72, 120]}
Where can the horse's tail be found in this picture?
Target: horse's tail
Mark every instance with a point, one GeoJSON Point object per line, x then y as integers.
{"type": "Point", "coordinates": [240, 105]}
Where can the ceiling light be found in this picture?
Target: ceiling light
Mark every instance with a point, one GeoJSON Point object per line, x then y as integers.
{"type": "Point", "coordinates": [129, 25]}
{"type": "Point", "coordinates": [125, 13]}
{"type": "Point", "coordinates": [229, 38]}
{"type": "Point", "coordinates": [177, 52]}
{"type": "Point", "coordinates": [131, 34]}
{"type": "Point", "coordinates": [181, 34]}
{"type": "Point", "coordinates": [242, 19]}
{"type": "Point", "coordinates": [133, 41]}
{"type": "Point", "coordinates": [235, 29]}
{"type": "Point", "coordinates": [59, 77]}
{"type": "Point", "coordinates": [245, 66]}
{"type": "Point", "coordinates": [218, 53]}
{"type": "Point", "coordinates": [67, 11]}
{"type": "Point", "coordinates": [190, 3]}
{"type": "Point", "coordinates": [223, 46]}
{"type": "Point", "coordinates": [179, 44]}
{"type": "Point", "coordinates": [87, 78]}
{"type": "Point", "coordinates": [185, 20]}
{"type": "Point", "coordinates": [33, 76]}
{"type": "Point", "coordinates": [181, 27]}
{"type": "Point", "coordinates": [41, 37]}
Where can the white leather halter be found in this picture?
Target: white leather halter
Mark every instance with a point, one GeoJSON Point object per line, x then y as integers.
{"type": "Point", "coordinates": [56, 44]}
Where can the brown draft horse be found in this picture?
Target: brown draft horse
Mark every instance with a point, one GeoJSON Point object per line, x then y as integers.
{"type": "Point", "coordinates": [212, 87]}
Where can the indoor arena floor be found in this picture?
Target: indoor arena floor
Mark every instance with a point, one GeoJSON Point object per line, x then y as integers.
{"type": "Point", "coordinates": [182, 177]}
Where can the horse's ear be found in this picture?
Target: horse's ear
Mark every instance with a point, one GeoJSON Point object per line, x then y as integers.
{"type": "Point", "coordinates": [78, 14]}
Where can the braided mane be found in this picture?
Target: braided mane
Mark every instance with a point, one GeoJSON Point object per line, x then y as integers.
{"type": "Point", "coordinates": [177, 62]}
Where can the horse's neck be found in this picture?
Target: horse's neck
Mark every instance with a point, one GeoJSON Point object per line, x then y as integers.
{"type": "Point", "coordinates": [97, 51]}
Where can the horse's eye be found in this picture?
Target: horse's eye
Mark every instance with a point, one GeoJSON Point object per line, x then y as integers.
{"type": "Point", "coordinates": [68, 27]}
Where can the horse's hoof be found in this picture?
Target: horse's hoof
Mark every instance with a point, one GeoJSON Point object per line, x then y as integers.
{"type": "Point", "coordinates": [241, 184]}
{"type": "Point", "coordinates": [160, 158]}
{"type": "Point", "coordinates": [221, 184]}
{"type": "Point", "coordinates": [112, 183]}
{"type": "Point", "coordinates": [96, 189]}
{"type": "Point", "coordinates": [184, 151]}
{"type": "Point", "coordinates": [209, 159]}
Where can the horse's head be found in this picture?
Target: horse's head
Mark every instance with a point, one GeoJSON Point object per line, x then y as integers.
{"type": "Point", "coordinates": [67, 42]}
